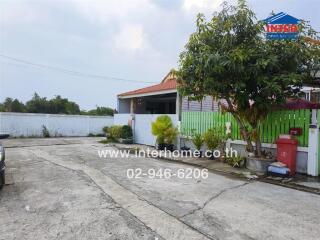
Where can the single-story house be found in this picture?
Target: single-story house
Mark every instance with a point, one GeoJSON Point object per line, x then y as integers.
{"type": "Point", "coordinates": [144, 105]}
{"type": "Point", "coordinates": [162, 98]}
{"type": "Point", "coordinates": [156, 99]}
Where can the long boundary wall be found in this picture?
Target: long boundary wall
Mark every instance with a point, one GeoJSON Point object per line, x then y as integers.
{"type": "Point", "coordinates": [31, 124]}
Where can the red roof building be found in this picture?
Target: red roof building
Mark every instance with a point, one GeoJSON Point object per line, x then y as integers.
{"type": "Point", "coordinates": [168, 84]}
{"type": "Point", "coordinates": [156, 99]}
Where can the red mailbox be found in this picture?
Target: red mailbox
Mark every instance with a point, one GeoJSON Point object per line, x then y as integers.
{"type": "Point", "coordinates": [287, 153]}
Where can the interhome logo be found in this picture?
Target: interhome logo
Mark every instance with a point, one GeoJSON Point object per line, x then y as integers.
{"type": "Point", "coordinates": [282, 26]}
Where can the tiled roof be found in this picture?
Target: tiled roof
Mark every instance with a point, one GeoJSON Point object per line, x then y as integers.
{"type": "Point", "coordinates": [167, 85]}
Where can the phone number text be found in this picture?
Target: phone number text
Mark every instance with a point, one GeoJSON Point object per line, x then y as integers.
{"type": "Point", "coordinates": [182, 173]}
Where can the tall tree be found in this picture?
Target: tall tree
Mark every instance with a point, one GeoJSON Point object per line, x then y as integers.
{"type": "Point", "coordinates": [12, 105]}
{"type": "Point", "coordinates": [101, 111]}
{"type": "Point", "coordinates": [229, 58]}
{"type": "Point", "coordinates": [59, 105]}
{"type": "Point", "coordinates": [37, 104]}
{"type": "Point", "coordinates": [56, 105]}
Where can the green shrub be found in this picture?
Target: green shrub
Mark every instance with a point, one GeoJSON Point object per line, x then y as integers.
{"type": "Point", "coordinates": [235, 161]}
{"type": "Point", "coordinates": [115, 132]}
{"type": "Point", "coordinates": [197, 140]}
{"type": "Point", "coordinates": [105, 129]}
{"type": "Point", "coordinates": [126, 132]}
{"type": "Point", "coordinates": [213, 138]}
{"type": "Point", "coordinates": [170, 135]}
{"type": "Point", "coordinates": [45, 132]}
{"type": "Point", "coordinates": [159, 126]}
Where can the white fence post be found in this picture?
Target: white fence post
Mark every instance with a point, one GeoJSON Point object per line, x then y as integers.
{"type": "Point", "coordinates": [133, 126]}
{"type": "Point", "coordinates": [179, 134]}
{"type": "Point", "coordinates": [313, 145]}
{"type": "Point", "coordinates": [88, 125]}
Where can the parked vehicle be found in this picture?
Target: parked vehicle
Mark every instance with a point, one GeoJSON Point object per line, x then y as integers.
{"type": "Point", "coordinates": [2, 161]}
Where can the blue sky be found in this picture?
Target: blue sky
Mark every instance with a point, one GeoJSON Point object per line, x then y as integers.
{"type": "Point", "coordinates": [133, 39]}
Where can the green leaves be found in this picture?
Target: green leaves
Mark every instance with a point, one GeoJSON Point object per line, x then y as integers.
{"type": "Point", "coordinates": [197, 140]}
{"type": "Point", "coordinates": [228, 57]}
{"type": "Point", "coordinates": [213, 138]}
{"type": "Point", "coordinates": [164, 130]}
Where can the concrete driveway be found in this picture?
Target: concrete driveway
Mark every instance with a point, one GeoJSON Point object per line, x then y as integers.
{"type": "Point", "coordinates": [62, 189]}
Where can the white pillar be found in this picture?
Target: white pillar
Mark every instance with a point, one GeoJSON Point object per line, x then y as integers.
{"type": "Point", "coordinates": [313, 145]}
{"type": "Point", "coordinates": [118, 104]}
{"type": "Point", "coordinates": [133, 126]}
{"type": "Point", "coordinates": [179, 135]}
{"type": "Point", "coordinates": [178, 118]}
{"type": "Point", "coordinates": [132, 105]}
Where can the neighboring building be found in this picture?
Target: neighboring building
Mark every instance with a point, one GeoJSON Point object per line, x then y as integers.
{"type": "Point", "coordinates": [141, 107]}
{"type": "Point", "coordinates": [162, 99]}
{"type": "Point", "coordinates": [157, 99]}
{"type": "Point", "coordinates": [311, 93]}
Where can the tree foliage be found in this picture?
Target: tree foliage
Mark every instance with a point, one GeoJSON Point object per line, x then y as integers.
{"type": "Point", "coordinates": [229, 58]}
{"type": "Point", "coordinates": [56, 105]}
{"type": "Point", "coordinates": [100, 111]}
{"type": "Point", "coordinates": [12, 105]}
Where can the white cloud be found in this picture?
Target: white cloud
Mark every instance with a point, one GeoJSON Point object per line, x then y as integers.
{"type": "Point", "coordinates": [124, 21]}
{"type": "Point", "coordinates": [201, 5]}
{"type": "Point", "coordinates": [131, 38]}
{"type": "Point", "coordinates": [133, 41]}
{"type": "Point", "coordinates": [18, 12]}
{"type": "Point", "coordinates": [105, 10]}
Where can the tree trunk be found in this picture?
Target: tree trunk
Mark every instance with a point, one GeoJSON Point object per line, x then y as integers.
{"type": "Point", "coordinates": [244, 133]}
{"type": "Point", "coordinates": [242, 127]}
{"type": "Point", "coordinates": [258, 143]}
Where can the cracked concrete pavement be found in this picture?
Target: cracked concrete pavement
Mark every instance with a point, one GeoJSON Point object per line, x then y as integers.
{"type": "Point", "coordinates": [61, 189]}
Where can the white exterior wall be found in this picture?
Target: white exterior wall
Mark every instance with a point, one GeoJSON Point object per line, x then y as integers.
{"type": "Point", "coordinates": [142, 126]}
{"type": "Point", "coordinates": [31, 124]}
{"type": "Point", "coordinates": [122, 118]}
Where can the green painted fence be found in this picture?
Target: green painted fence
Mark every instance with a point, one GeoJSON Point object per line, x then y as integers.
{"type": "Point", "coordinates": [278, 122]}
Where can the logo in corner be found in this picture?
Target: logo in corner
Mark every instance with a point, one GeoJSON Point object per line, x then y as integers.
{"type": "Point", "coordinates": [281, 26]}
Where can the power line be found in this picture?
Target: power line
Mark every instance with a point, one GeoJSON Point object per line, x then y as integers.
{"type": "Point", "coordinates": [70, 72]}
{"type": "Point", "coordinates": [14, 64]}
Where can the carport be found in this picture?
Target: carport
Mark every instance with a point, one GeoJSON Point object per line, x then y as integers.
{"type": "Point", "coordinates": [141, 107]}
